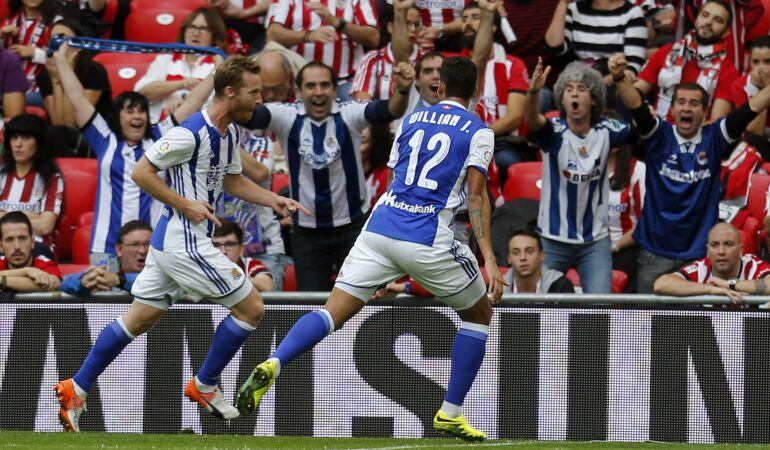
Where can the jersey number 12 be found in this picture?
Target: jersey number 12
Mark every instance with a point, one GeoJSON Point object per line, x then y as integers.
{"type": "Point", "coordinates": [442, 140]}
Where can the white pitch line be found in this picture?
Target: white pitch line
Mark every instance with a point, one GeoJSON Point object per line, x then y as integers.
{"type": "Point", "coordinates": [408, 447]}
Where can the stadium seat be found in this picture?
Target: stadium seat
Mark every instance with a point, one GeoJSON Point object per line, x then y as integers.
{"type": "Point", "coordinates": [523, 181]}
{"type": "Point", "coordinates": [765, 167]}
{"type": "Point", "coordinates": [109, 14]}
{"type": "Point", "coordinates": [4, 11]}
{"type": "Point", "coordinates": [290, 279]}
{"type": "Point", "coordinates": [280, 181]}
{"type": "Point", "coordinates": [137, 5]}
{"type": "Point", "coordinates": [81, 245]}
{"type": "Point", "coordinates": [69, 269]}
{"type": "Point", "coordinates": [757, 196]}
{"type": "Point", "coordinates": [36, 111]}
{"type": "Point", "coordinates": [124, 69]}
{"type": "Point", "coordinates": [619, 280]}
{"type": "Point", "coordinates": [80, 179]}
{"type": "Point", "coordinates": [155, 25]}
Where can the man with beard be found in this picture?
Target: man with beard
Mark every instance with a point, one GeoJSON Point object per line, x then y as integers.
{"type": "Point", "coordinates": [20, 269]}
{"type": "Point", "coordinates": [722, 272]}
{"type": "Point", "coordinates": [700, 57]}
{"type": "Point", "coordinates": [683, 168]}
{"type": "Point", "coordinates": [131, 249]}
{"type": "Point", "coordinates": [321, 137]}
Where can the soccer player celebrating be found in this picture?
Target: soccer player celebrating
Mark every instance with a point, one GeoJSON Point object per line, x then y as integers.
{"type": "Point", "coordinates": [202, 159]}
{"type": "Point", "coordinates": [435, 152]}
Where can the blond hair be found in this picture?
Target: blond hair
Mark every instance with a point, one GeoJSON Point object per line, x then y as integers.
{"type": "Point", "coordinates": [230, 73]}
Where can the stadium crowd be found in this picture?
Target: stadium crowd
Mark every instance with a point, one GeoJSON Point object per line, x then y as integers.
{"type": "Point", "coordinates": [593, 104]}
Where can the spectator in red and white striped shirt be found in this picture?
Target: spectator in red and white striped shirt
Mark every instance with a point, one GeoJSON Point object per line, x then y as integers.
{"type": "Point", "coordinates": [626, 199]}
{"type": "Point", "coordinates": [722, 272]}
{"type": "Point", "coordinates": [333, 32]}
{"type": "Point", "coordinates": [29, 180]}
{"type": "Point", "coordinates": [441, 20]}
{"type": "Point", "coordinates": [373, 78]}
{"type": "Point", "coordinates": [27, 30]}
{"type": "Point", "coordinates": [228, 238]}
{"type": "Point", "coordinates": [21, 268]}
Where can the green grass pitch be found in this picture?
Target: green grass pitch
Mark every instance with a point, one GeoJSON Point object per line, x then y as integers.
{"type": "Point", "coordinates": [29, 440]}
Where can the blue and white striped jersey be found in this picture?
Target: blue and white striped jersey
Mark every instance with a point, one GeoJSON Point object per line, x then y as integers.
{"type": "Point", "coordinates": [430, 157]}
{"type": "Point", "coordinates": [196, 158]}
{"type": "Point", "coordinates": [575, 189]}
{"type": "Point", "coordinates": [324, 157]}
{"type": "Point", "coordinates": [118, 199]}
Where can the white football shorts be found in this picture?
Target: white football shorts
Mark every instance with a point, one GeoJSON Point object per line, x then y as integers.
{"type": "Point", "coordinates": [451, 274]}
{"type": "Point", "coordinates": [207, 273]}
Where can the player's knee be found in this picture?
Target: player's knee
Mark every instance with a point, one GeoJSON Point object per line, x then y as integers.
{"type": "Point", "coordinates": [480, 312]}
{"type": "Point", "coordinates": [250, 310]}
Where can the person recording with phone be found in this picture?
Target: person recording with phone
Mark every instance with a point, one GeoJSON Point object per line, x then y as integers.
{"type": "Point", "coordinates": [131, 249]}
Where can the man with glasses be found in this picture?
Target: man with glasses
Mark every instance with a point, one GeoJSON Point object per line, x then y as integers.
{"type": "Point", "coordinates": [228, 238]}
{"type": "Point", "coordinates": [131, 249]}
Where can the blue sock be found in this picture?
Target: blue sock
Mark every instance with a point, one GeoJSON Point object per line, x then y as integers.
{"type": "Point", "coordinates": [467, 354]}
{"type": "Point", "coordinates": [111, 341]}
{"type": "Point", "coordinates": [231, 334]}
{"type": "Point", "coordinates": [309, 330]}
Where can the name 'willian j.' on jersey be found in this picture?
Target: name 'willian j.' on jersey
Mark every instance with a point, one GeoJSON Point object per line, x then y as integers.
{"type": "Point", "coordinates": [431, 154]}
{"type": "Point", "coordinates": [196, 158]}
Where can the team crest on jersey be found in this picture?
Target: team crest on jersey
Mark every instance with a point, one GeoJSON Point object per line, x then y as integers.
{"type": "Point", "coordinates": [702, 159]}
{"type": "Point", "coordinates": [236, 274]}
{"type": "Point", "coordinates": [583, 151]}
{"type": "Point", "coordinates": [332, 152]}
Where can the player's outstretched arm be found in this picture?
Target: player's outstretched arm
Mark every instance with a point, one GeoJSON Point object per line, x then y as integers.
{"type": "Point", "coordinates": [402, 48]}
{"type": "Point", "coordinates": [75, 92]}
{"type": "Point", "coordinates": [145, 175]}
{"type": "Point", "coordinates": [245, 189]}
{"type": "Point", "coordinates": [617, 65]}
{"type": "Point", "coordinates": [535, 120]}
{"type": "Point", "coordinates": [479, 212]}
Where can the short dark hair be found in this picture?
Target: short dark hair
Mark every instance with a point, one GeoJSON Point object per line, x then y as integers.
{"type": "Point", "coordinates": [724, 5]}
{"type": "Point", "coordinates": [128, 99]}
{"type": "Point", "coordinates": [529, 232]}
{"type": "Point", "coordinates": [132, 226]}
{"type": "Point", "coordinates": [228, 227]}
{"type": "Point", "coordinates": [316, 65]}
{"type": "Point", "coordinates": [458, 74]}
{"type": "Point", "coordinates": [425, 57]}
{"type": "Point", "coordinates": [760, 42]}
{"type": "Point", "coordinates": [704, 99]}
{"type": "Point", "coordinates": [15, 217]}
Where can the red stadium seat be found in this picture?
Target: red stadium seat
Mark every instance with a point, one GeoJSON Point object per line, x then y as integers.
{"type": "Point", "coordinates": [290, 279]}
{"type": "Point", "coordinates": [80, 179]}
{"type": "Point", "coordinates": [69, 269]}
{"type": "Point", "coordinates": [155, 25]}
{"type": "Point", "coordinates": [619, 280]}
{"type": "Point", "coordinates": [280, 180]}
{"type": "Point", "coordinates": [4, 10]}
{"type": "Point", "coordinates": [765, 167]}
{"type": "Point", "coordinates": [191, 5]}
{"type": "Point", "coordinates": [81, 245]}
{"type": "Point", "coordinates": [757, 196]}
{"type": "Point", "coordinates": [523, 181]}
{"type": "Point", "coordinates": [124, 69]}
{"type": "Point", "coordinates": [36, 111]}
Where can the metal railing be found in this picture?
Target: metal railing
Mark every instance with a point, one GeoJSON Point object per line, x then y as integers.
{"type": "Point", "coordinates": [313, 298]}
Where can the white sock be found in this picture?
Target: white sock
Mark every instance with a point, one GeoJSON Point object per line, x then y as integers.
{"type": "Point", "coordinates": [205, 388]}
{"type": "Point", "coordinates": [277, 366]}
{"type": "Point", "coordinates": [79, 391]}
{"type": "Point", "coordinates": [451, 410]}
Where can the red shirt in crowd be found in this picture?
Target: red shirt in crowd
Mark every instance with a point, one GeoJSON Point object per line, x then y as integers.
{"type": "Point", "coordinates": [48, 266]}
{"type": "Point", "coordinates": [752, 268]}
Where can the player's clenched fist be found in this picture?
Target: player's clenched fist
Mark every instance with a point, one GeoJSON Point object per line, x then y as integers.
{"type": "Point", "coordinates": [617, 65]}
{"type": "Point", "coordinates": [404, 74]}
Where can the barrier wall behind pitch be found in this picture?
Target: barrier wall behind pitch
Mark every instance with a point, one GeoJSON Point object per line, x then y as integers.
{"type": "Point", "coordinates": [550, 373]}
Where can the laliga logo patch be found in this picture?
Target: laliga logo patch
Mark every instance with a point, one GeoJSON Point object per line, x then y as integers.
{"type": "Point", "coordinates": [236, 274]}
{"type": "Point", "coordinates": [164, 147]}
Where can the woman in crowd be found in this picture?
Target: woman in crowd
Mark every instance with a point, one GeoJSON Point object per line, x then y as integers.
{"type": "Point", "coordinates": [626, 200]}
{"type": "Point", "coordinates": [91, 75]}
{"type": "Point", "coordinates": [26, 32]}
{"type": "Point", "coordinates": [29, 179]}
{"type": "Point", "coordinates": [171, 76]}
